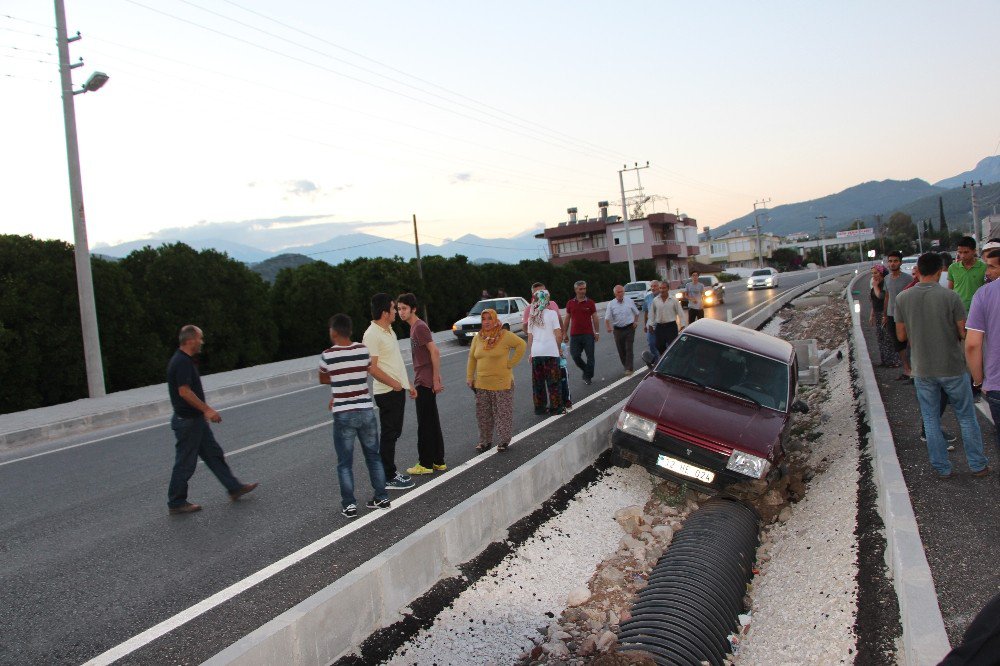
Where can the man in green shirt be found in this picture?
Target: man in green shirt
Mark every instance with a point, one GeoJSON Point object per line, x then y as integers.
{"type": "Point", "coordinates": [967, 274]}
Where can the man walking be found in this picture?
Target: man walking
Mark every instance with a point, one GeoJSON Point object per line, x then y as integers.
{"type": "Point", "coordinates": [647, 319]}
{"type": "Point", "coordinates": [982, 341]}
{"type": "Point", "coordinates": [427, 379]}
{"type": "Point", "coordinates": [967, 274]}
{"type": "Point", "coordinates": [620, 318]}
{"type": "Point", "coordinates": [933, 320]}
{"type": "Point", "coordinates": [667, 318]}
{"type": "Point", "coordinates": [695, 292]}
{"type": "Point", "coordinates": [190, 425]}
{"type": "Point", "coordinates": [895, 282]}
{"type": "Point", "coordinates": [581, 322]}
{"type": "Point", "coordinates": [390, 385]}
{"type": "Point", "coordinates": [345, 367]}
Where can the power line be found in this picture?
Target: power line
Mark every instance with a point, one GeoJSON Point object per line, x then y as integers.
{"type": "Point", "coordinates": [15, 18]}
{"type": "Point", "coordinates": [18, 48]}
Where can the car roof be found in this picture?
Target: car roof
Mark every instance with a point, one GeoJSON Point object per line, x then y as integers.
{"type": "Point", "coordinates": [742, 338]}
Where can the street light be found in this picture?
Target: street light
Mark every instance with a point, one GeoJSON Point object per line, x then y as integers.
{"type": "Point", "coordinates": [84, 277]}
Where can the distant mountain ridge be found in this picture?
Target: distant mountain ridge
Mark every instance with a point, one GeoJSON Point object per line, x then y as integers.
{"type": "Point", "coordinates": [987, 171]}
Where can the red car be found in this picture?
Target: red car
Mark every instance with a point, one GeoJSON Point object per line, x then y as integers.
{"type": "Point", "coordinates": [716, 409]}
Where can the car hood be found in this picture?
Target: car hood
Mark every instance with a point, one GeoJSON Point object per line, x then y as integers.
{"type": "Point", "coordinates": [707, 416]}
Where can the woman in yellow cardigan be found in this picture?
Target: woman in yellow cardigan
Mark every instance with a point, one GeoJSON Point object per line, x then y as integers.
{"type": "Point", "coordinates": [488, 373]}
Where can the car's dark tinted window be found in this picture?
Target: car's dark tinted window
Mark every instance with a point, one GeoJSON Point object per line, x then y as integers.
{"type": "Point", "coordinates": [502, 307]}
{"type": "Point", "coordinates": [707, 281]}
{"type": "Point", "coordinates": [761, 272]}
{"type": "Point", "coordinates": [636, 286]}
{"type": "Point", "coordinates": [728, 369]}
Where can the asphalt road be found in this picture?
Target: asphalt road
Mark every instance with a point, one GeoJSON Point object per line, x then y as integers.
{"type": "Point", "coordinates": [89, 557]}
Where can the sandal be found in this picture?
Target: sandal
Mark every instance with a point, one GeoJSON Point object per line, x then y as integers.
{"type": "Point", "coordinates": [503, 447]}
{"type": "Point", "coordinates": [483, 448]}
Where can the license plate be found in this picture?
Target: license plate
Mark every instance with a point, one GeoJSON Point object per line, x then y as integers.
{"type": "Point", "coordinates": [684, 469]}
{"type": "Point", "coordinates": [470, 334]}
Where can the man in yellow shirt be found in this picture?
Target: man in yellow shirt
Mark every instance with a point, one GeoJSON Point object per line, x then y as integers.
{"type": "Point", "coordinates": [390, 385]}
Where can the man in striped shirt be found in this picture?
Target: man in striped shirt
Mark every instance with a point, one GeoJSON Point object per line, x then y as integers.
{"type": "Point", "coordinates": [345, 367]}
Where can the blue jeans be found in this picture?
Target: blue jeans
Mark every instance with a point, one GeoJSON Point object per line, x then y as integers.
{"type": "Point", "coordinates": [993, 400]}
{"type": "Point", "coordinates": [578, 344]}
{"type": "Point", "coordinates": [959, 392]}
{"type": "Point", "coordinates": [357, 424]}
{"type": "Point", "coordinates": [651, 341]}
{"type": "Point", "coordinates": [194, 439]}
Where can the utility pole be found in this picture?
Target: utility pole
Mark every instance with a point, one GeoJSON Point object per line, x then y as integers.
{"type": "Point", "coordinates": [84, 276]}
{"type": "Point", "coordinates": [420, 267]}
{"type": "Point", "coordinates": [822, 235]}
{"type": "Point", "coordinates": [977, 230]}
{"type": "Point", "coordinates": [920, 240]}
{"type": "Point", "coordinates": [756, 223]}
{"type": "Point", "coordinates": [628, 235]}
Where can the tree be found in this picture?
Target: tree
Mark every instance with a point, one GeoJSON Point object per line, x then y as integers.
{"type": "Point", "coordinates": [786, 258]}
{"type": "Point", "coordinates": [302, 301]}
{"type": "Point", "coordinates": [942, 224]}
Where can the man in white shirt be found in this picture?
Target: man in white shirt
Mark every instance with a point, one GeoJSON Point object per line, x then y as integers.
{"type": "Point", "coordinates": [667, 316]}
{"type": "Point", "coordinates": [620, 318]}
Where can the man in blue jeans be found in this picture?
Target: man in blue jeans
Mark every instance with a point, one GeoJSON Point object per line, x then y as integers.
{"type": "Point", "coordinates": [983, 326]}
{"type": "Point", "coordinates": [932, 318]}
{"type": "Point", "coordinates": [345, 367]}
{"type": "Point", "coordinates": [190, 425]}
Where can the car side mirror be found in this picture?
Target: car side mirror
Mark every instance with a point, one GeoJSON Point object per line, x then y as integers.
{"type": "Point", "coordinates": [647, 358]}
{"type": "Point", "coordinates": [801, 407]}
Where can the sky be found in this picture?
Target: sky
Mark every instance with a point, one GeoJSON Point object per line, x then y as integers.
{"type": "Point", "coordinates": [485, 118]}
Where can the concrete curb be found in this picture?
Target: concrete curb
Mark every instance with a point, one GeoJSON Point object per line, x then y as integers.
{"type": "Point", "coordinates": [334, 621]}
{"type": "Point", "coordinates": [925, 641]}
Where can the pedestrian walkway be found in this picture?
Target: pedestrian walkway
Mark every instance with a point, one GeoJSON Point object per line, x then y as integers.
{"type": "Point", "coordinates": [959, 518]}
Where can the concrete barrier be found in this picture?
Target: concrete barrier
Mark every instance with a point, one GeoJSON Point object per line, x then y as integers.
{"type": "Point", "coordinates": [334, 621]}
{"type": "Point", "coordinates": [925, 641]}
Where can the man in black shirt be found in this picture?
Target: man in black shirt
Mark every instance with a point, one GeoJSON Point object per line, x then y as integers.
{"type": "Point", "coordinates": [190, 425]}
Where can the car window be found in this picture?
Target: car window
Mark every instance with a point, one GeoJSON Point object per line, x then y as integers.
{"type": "Point", "coordinates": [502, 307]}
{"type": "Point", "coordinates": [636, 286]}
{"type": "Point", "coordinates": [728, 369]}
{"type": "Point", "coordinates": [513, 306]}
{"type": "Point", "coordinates": [707, 281]}
{"type": "Point", "coordinates": [762, 271]}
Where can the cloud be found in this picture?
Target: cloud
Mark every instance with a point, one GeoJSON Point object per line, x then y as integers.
{"type": "Point", "coordinates": [461, 177]}
{"type": "Point", "coordinates": [302, 188]}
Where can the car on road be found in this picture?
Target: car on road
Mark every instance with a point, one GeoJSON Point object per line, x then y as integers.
{"type": "Point", "coordinates": [637, 292]}
{"type": "Point", "coordinates": [715, 291]}
{"type": "Point", "coordinates": [509, 311]}
{"type": "Point", "coordinates": [763, 278]}
{"type": "Point", "coordinates": [716, 409]}
{"type": "Point", "coordinates": [909, 263]}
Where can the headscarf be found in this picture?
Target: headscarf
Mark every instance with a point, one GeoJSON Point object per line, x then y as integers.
{"type": "Point", "coordinates": [881, 269]}
{"type": "Point", "coordinates": [492, 330]}
{"type": "Point", "coordinates": [538, 307]}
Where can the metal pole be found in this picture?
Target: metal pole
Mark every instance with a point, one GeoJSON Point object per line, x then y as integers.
{"type": "Point", "coordinates": [628, 235]}
{"type": "Point", "coordinates": [84, 277]}
{"type": "Point", "coordinates": [420, 268]}
{"type": "Point", "coordinates": [977, 230]}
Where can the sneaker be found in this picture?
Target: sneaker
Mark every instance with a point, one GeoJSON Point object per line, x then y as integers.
{"type": "Point", "coordinates": [569, 406]}
{"type": "Point", "coordinates": [242, 490]}
{"type": "Point", "coordinates": [377, 504]}
{"type": "Point", "coordinates": [187, 507]}
{"type": "Point", "coordinates": [982, 473]}
{"type": "Point", "coordinates": [441, 468]}
{"type": "Point", "coordinates": [404, 477]}
{"type": "Point", "coordinates": [944, 477]}
{"type": "Point", "coordinates": [949, 437]}
{"type": "Point", "coordinates": [419, 469]}
{"type": "Point", "coordinates": [349, 511]}
{"type": "Point", "coordinates": [588, 381]}
{"type": "Point", "coordinates": [398, 482]}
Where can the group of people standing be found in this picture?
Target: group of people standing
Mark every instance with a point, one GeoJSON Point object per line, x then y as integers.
{"type": "Point", "coordinates": [936, 325]}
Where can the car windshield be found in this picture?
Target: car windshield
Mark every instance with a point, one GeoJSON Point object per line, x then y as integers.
{"type": "Point", "coordinates": [501, 306]}
{"type": "Point", "coordinates": [731, 370]}
{"type": "Point", "coordinates": [761, 272]}
{"type": "Point", "coordinates": [635, 286]}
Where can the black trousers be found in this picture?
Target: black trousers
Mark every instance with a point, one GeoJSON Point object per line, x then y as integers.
{"type": "Point", "coordinates": [391, 408]}
{"type": "Point", "coordinates": [665, 334]}
{"type": "Point", "coordinates": [430, 441]}
{"type": "Point", "coordinates": [624, 341]}
{"type": "Point", "coordinates": [694, 314]}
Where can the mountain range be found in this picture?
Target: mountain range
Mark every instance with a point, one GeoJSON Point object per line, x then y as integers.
{"type": "Point", "coordinates": [285, 236]}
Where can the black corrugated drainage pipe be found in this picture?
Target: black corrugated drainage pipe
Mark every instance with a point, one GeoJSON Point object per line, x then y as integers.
{"type": "Point", "coordinates": [695, 592]}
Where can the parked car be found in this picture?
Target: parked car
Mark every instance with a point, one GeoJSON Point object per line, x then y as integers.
{"type": "Point", "coordinates": [510, 312]}
{"type": "Point", "coordinates": [716, 409]}
{"type": "Point", "coordinates": [909, 263]}
{"type": "Point", "coordinates": [763, 278]}
{"type": "Point", "coordinates": [637, 292]}
{"type": "Point", "coordinates": [715, 291]}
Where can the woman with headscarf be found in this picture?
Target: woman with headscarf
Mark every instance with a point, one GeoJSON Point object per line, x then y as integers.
{"type": "Point", "coordinates": [886, 350]}
{"type": "Point", "coordinates": [493, 354]}
{"type": "Point", "coordinates": [544, 338]}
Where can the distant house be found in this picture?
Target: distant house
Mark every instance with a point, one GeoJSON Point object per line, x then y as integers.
{"type": "Point", "coordinates": [739, 249]}
{"type": "Point", "coordinates": [669, 240]}
{"type": "Point", "coordinates": [797, 236]}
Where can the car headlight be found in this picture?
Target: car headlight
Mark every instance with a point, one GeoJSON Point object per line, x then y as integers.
{"type": "Point", "coordinates": [679, 295]}
{"type": "Point", "coordinates": [749, 283]}
{"type": "Point", "coordinates": [748, 464]}
{"type": "Point", "coordinates": [708, 292]}
{"type": "Point", "coordinates": [636, 425]}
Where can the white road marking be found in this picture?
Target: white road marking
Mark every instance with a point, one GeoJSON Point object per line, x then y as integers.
{"type": "Point", "coordinates": [188, 614]}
